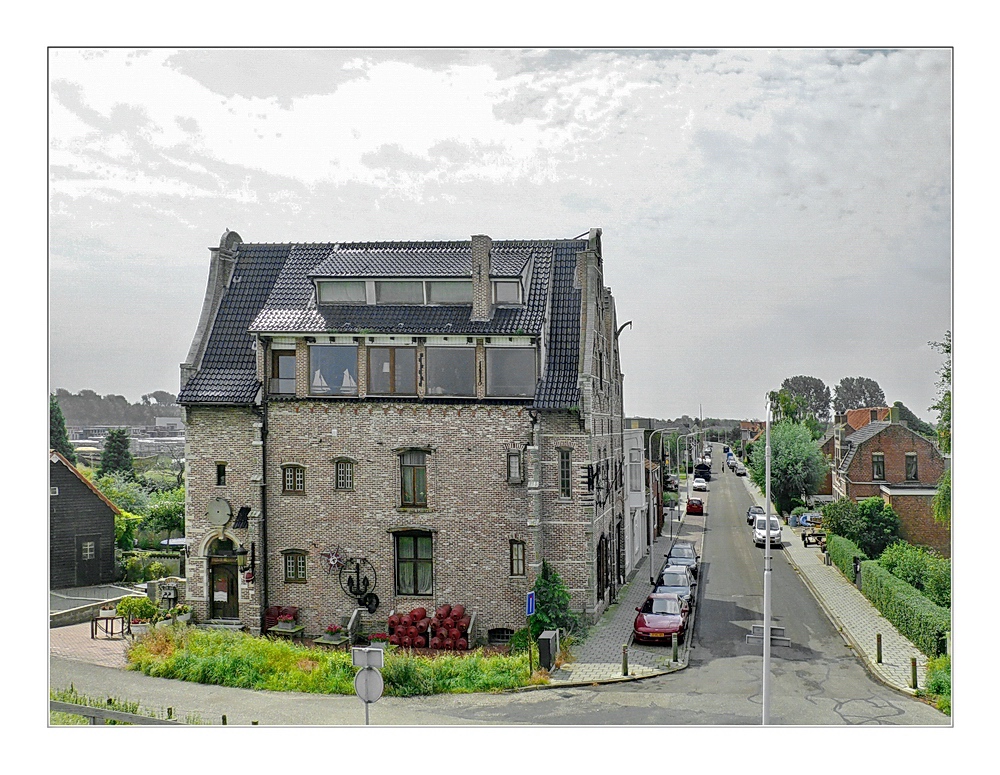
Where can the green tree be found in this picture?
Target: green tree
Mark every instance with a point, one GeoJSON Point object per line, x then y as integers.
{"type": "Point", "coordinates": [943, 404]}
{"type": "Point", "coordinates": [941, 503]}
{"type": "Point", "coordinates": [813, 395]}
{"type": "Point", "coordinates": [857, 393]}
{"type": "Point", "coordinates": [551, 603]}
{"type": "Point", "coordinates": [126, 493]}
{"type": "Point", "coordinates": [166, 511]}
{"type": "Point", "coordinates": [913, 422]}
{"type": "Point", "coordinates": [126, 529]}
{"type": "Point", "coordinates": [58, 437]}
{"type": "Point", "coordinates": [878, 526]}
{"type": "Point", "coordinates": [797, 465]}
{"type": "Point", "coordinates": [840, 517]}
{"type": "Point", "coordinates": [116, 456]}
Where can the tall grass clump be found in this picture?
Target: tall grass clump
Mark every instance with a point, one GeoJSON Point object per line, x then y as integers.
{"type": "Point", "coordinates": [248, 662]}
{"type": "Point", "coordinates": [939, 683]}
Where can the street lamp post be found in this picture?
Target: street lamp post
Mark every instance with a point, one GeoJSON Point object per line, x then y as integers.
{"type": "Point", "coordinates": [766, 687]}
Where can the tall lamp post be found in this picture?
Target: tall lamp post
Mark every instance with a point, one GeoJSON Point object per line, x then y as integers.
{"type": "Point", "coordinates": [766, 687]}
{"type": "Point", "coordinates": [650, 519]}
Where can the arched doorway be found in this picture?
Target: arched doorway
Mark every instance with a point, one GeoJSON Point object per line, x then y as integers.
{"type": "Point", "coordinates": [223, 577]}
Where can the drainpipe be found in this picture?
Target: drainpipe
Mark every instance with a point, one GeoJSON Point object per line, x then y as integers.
{"type": "Point", "coordinates": [263, 497]}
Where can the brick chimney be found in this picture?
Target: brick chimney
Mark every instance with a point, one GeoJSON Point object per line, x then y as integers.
{"type": "Point", "coordinates": [482, 288]}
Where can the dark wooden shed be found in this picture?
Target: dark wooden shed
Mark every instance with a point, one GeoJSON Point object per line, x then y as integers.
{"type": "Point", "coordinates": [81, 529]}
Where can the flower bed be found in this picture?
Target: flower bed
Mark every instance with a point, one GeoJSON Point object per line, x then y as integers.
{"type": "Point", "coordinates": [244, 661]}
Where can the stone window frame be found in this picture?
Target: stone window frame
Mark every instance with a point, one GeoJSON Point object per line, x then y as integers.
{"type": "Point", "coordinates": [298, 573]}
{"type": "Point", "coordinates": [416, 560]}
{"type": "Point", "coordinates": [347, 464]}
{"type": "Point", "coordinates": [298, 480]}
{"type": "Point", "coordinates": [518, 558]}
{"type": "Point", "coordinates": [565, 460]}
{"type": "Point", "coordinates": [518, 476]}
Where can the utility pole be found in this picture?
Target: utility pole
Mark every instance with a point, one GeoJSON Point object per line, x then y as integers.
{"type": "Point", "coordinates": [766, 688]}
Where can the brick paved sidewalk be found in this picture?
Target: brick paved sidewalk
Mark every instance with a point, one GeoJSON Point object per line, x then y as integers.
{"type": "Point", "coordinates": [599, 657]}
{"type": "Point", "coordinates": [852, 613]}
{"type": "Point", "coordinates": [74, 642]}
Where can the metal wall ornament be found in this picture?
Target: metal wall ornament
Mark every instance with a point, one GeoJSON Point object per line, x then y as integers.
{"type": "Point", "coordinates": [358, 580]}
{"type": "Point", "coordinates": [334, 558]}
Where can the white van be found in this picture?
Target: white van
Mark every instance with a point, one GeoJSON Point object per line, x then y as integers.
{"type": "Point", "coordinates": [760, 531]}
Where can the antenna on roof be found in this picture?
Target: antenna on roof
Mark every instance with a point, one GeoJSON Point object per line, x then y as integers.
{"type": "Point", "coordinates": [581, 236]}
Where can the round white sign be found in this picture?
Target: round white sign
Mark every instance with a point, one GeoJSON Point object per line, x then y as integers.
{"type": "Point", "coordinates": [368, 684]}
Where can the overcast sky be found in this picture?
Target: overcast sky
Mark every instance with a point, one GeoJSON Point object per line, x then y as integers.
{"type": "Point", "coordinates": [766, 212]}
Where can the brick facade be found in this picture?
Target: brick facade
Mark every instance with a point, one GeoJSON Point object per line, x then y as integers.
{"type": "Point", "coordinates": [473, 512]}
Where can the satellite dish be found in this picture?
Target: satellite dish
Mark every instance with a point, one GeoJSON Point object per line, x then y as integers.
{"type": "Point", "coordinates": [219, 512]}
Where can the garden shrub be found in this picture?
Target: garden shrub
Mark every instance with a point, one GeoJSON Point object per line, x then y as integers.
{"type": "Point", "coordinates": [244, 661]}
{"type": "Point", "coordinates": [156, 570]}
{"type": "Point", "coordinates": [918, 619]}
{"type": "Point", "coordinates": [552, 610]}
{"type": "Point", "coordinates": [924, 569]}
{"type": "Point", "coordinates": [939, 682]}
{"type": "Point", "coordinates": [137, 608]}
{"type": "Point", "coordinates": [842, 552]}
{"type": "Point", "coordinates": [871, 524]}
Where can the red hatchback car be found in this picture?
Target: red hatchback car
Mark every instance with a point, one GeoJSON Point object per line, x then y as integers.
{"type": "Point", "coordinates": [695, 506]}
{"type": "Point", "coordinates": [660, 616]}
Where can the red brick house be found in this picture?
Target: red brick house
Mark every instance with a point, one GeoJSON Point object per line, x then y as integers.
{"type": "Point", "coordinates": [440, 415]}
{"type": "Point", "coordinates": [886, 459]}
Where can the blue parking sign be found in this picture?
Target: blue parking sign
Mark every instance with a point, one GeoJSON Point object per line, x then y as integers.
{"type": "Point", "coordinates": [529, 606]}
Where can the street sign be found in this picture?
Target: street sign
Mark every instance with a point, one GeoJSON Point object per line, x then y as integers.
{"type": "Point", "coordinates": [363, 657]}
{"type": "Point", "coordinates": [529, 607]}
{"type": "Point", "coordinates": [368, 684]}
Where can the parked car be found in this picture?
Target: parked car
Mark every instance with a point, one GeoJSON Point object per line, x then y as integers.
{"type": "Point", "coordinates": [741, 470]}
{"type": "Point", "coordinates": [662, 615]}
{"type": "Point", "coordinates": [683, 554]}
{"type": "Point", "coordinates": [753, 512]}
{"type": "Point", "coordinates": [725, 448]}
{"type": "Point", "coordinates": [695, 506]}
{"type": "Point", "coordinates": [699, 484]}
{"type": "Point", "coordinates": [678, 580]}
{"type": "Point", "coordinates": [760, 531]}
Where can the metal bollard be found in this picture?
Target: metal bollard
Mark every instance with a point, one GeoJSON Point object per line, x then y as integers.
{"type": "Point", "coordinates": [878, 648]}
{"type": "Point", "coordinates": [625, 659]}
{"type": "Point", "coordinates": [170, 713]}
{"type": "Point", "coordinates": [225, 721]}
{"type": "Point", "coordinates": [913, 672]}
{"type": "Point", "coordinates": [673, 647]}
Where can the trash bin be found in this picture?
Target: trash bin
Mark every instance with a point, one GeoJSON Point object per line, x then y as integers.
{"type": "Point", "coordinates": [548, 647]}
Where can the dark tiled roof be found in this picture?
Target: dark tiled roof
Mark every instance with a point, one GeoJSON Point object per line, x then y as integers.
{"type": "Point", "coordinates": [857, 438]}
{"type": "Point", "coordinates": [271, 292]}
{"type": "Point", "coordinates": [559, 388]}
{"type": "Point", "coordinates": [292, 306]}
{"type": "Point", "coordinates": [228, 372]}
{"type": "Point", "coordinates": [418, 259]}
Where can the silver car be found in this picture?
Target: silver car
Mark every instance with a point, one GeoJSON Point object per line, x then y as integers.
{"type": "Point", "coordinates": [678, 580]}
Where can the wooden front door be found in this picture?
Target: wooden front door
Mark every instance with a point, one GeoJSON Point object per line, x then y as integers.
{"type": "Point", "coordinates": [88, 559]}
{"type": "Point", "coordinates": [225, 590]}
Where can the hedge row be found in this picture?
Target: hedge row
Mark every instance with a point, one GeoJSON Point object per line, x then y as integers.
{"type": "Point", "coordinates": [918, 619]}
{"type": "Point", "coordinates": [842, 552]}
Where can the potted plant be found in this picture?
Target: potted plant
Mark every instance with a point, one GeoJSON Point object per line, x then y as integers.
{"type": "Point", "coordinates": [138, 625]}
{"type": "Point", "coordinates": [107, 611]}
{"type": "Point", "coordinates": [139, 612]}
{"type": "Point", "coordinates": [181, 612]}
{"type": "Point", "coordinates": [378, 639]}
{"type": "Point", "coordinates": [332, 630]}
{"type": "Point", "coordinates": [286, 622]}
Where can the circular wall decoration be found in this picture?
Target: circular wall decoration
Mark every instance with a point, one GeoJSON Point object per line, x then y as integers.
{"type": "Point", "coordinates": [219, 511]}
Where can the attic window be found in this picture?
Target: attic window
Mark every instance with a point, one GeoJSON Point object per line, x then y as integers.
{"type": "Point", "coordinates": [449, 292]}
{"type": "Point", "coordinates": [399, 292]}
{"type": "Point", "coordinates": [341, 292]}
{"type": "Point", "coordinates": [507, 292]}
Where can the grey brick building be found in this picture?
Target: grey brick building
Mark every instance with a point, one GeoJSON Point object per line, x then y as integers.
{"type": "Point", "coordinates": [417, 422]}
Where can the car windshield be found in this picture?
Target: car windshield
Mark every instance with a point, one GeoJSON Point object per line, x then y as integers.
{"type": "Point", "coordinates": [683, 552]}
{"type": "Point", "coordinates": [757, 509]}
{"type": "Point", "coordinates": [762, 522]}
{"type": "Point", "coordinates": [661, 605]}
{"type": "Point", "coordinates": [674, 580]}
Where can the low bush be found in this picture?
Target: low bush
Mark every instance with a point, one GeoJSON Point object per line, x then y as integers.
{"type": "Point", "coordinates": [939, 683]}
{"type": "Point", "coordinates": [921, 568]}
{"type": "Point", "coordinates": [842, 553]}
{"type": "Point", "coordinates": [917, 618]}
{"type": "Point", "coordinates": [141, 608]}
{"type": "Point", "coordinates": [245, 661]}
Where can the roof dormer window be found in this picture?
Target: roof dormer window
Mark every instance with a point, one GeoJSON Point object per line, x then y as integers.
{"type": "Point", "coordinates": [399, 292]}
{"type": "Point", "coordinates": [341, 292]}
{"type": "Point", "coordinates": [506, 292]}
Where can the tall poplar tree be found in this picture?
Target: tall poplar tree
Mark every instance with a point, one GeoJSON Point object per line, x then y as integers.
{"type": "Point", "coordinates": [116, 455]}
{"type": "Point", "coordinates": [58, 437]}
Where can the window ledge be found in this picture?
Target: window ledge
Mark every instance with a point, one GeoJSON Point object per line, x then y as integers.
{"type": "Point", "coordinates": [415, 509]}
